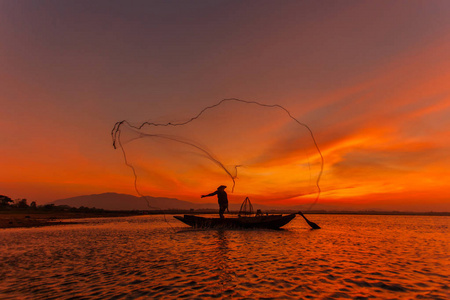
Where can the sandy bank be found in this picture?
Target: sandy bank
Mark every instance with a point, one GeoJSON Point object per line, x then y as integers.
{"type": "Point", "coordinates": [17, 219]}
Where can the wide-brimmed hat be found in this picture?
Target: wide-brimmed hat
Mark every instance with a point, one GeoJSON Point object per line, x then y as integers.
{"type": "Point", "coordinates": [222, 187]}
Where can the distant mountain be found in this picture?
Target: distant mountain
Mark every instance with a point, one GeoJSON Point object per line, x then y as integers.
{"type": "Point", "coordinates": [114, 201]}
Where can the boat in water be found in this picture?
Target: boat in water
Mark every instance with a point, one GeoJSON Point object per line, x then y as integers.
{"type": "Point", "coordinates": [268, 221]}
{"type": "Point", "coordinates": [245, 219]}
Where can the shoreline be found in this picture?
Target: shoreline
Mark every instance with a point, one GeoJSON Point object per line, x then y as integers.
{"type": "Point", "coordinates": [29, 219]}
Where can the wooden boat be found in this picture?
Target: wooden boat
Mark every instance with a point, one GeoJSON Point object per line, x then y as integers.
{"type": "Point", "coordinates": [269, 221]}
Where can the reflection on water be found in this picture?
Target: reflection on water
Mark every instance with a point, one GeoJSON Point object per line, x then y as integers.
{"type": "Point", "coordinates": [361, 257]}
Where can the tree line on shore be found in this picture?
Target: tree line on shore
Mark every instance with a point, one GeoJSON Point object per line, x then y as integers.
{"type": "Point", "coordinates": [6, 203]}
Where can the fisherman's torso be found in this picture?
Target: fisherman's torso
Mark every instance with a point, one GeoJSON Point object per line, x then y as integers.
{"type": "Point", "coordinates": [222, 197]}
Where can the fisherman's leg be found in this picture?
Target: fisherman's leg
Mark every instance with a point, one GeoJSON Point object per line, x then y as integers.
{"type": "Point", "coordinates": [221, 210]}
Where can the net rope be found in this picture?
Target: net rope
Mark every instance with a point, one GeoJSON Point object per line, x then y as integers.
{"type": "Point", "coordinates": [117, 144]}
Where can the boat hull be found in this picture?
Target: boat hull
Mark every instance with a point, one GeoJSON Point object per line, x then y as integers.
{"type": "Point", "coordinates": [269, 222]}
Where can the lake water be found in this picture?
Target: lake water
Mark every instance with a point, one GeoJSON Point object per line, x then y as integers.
{"type": "Point", "coordinates": [351, 257]}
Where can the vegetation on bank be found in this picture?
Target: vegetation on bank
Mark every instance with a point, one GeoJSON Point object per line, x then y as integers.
{"type": "Point", "coordinates": [18, 205]}
{"type": "Point", "coordinates": [19, 214]}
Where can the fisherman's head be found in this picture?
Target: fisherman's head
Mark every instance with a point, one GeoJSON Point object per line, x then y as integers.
{"type": "Point", "coordinates": [222, 187]}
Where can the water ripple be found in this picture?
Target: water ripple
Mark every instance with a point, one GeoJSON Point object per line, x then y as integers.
{"type": "Point", "coordinates": [356, 257]}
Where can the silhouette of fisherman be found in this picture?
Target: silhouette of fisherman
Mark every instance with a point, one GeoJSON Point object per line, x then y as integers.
{"type": "Point", "coordinates": [222, 197]}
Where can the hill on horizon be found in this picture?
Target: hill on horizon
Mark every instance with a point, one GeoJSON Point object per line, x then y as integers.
{"type": "Point", "coordinates": [115, 201]}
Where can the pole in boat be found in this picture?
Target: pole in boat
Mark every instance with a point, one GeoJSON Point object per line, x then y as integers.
{"type": "Point", "coordinates": [312, 224]}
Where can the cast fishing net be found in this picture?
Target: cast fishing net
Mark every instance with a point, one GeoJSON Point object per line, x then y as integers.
{"type": "Point", "coordinates": [259, 151]}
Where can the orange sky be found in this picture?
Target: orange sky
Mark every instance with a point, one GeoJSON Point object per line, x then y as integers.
{"type": "Point", "coordinates": [371, 79]}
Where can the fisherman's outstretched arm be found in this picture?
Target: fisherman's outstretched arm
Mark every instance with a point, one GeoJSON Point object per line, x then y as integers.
{"type": "Point", "coordinates": [209, 195]}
